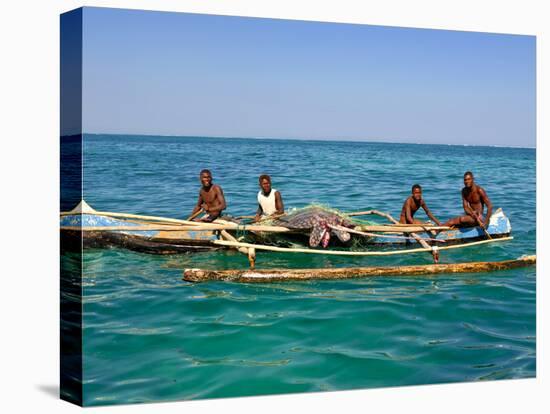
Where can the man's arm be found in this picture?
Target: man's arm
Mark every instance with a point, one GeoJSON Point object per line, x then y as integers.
{"type": "Point", "coordinates": [279, 203]}
{"type": "Point", "coordinates": [487, 202]}
{"type": "Point", "coordinates": [408, 214]}
{"type": "Point", "coordinates": [198, 206]}
{"type": "Point", "coordinates": [430, 215]}
{"type": "Point", "coordinates": [259, 212]}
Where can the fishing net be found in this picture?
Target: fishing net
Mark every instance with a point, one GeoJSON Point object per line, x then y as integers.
{"type": "Point", "coordinates": [295, 210]}
{"type": "Point", "coordinates": [297, 240]}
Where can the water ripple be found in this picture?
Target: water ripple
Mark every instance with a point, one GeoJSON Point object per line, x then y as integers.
{"type": "Point", "coordinates": [148, 336]}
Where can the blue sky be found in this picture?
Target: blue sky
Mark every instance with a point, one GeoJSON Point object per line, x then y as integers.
{"type": "Point", "coordinates": [204, 75]}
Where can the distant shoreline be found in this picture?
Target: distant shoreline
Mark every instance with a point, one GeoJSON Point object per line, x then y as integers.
{"type": "Point", "coordinates": [298, 139]}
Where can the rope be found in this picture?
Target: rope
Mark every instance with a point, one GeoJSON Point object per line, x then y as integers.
{"type": "Point", "coordinates": [241, 230]}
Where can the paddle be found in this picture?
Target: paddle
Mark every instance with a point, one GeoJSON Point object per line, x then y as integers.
{"type": "Point", "coordinates": [478, 220]}
{"type": "Point", "coordinates": [273, 216]}
{"type": "Point", "coordinates": [194, 215]}
{"type": "Point", "coordinates": [483, 227]}
{"type": "Point", "coordinates": [244, 217]}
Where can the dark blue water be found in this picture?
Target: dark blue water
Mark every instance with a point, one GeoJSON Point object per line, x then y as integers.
{"type": "Point", "coordinates": [150, 336]}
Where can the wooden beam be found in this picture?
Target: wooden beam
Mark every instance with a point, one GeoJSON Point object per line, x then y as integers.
{"type": "Point", "coordinates": [378, 235]}
{"type": "Point", "coordinates": [226, 236]}
{"type": "Point", "coordinates": [374, 212]}
{"type": "Point", "coordinates": [355, 253]}
{"type": "Point", "coordinates": [283, 275]}
{"type": "Point", "coordinates": [141, 217]}
{"type": "Point", "coordinates": [394, 228]}
{"type": "Point", "coordinates": [163, 227]}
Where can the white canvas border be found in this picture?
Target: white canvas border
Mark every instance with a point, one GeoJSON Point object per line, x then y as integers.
{"type": "Point", "coordinates": [30, 148]}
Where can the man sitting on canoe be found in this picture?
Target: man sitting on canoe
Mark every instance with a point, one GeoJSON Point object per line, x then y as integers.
{"type": "Point", "coordinates": [270, 202]}
{"type": "Point", "coordinates": [412, 205]}
{"type": "Point", "coordinates": [474, 198]}
{"type": "Point", "coordinates": [211, 200]}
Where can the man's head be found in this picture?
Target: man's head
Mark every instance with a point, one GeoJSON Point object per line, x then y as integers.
{"type": "Point", "coordinates": [468, 179]}
{"type": "Point", "coordinates": [265, 183]}
{"type": "Point", "coordinates": [417, 192]}
{"type": "Point", "coordinates": [206, 178]}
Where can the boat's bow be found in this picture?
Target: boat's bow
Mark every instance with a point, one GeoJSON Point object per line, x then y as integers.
{"type": "Point", "coordinates": [84, 226]}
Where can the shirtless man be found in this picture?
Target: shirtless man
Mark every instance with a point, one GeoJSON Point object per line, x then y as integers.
{"type": "Point", "coordinates": [474, 199]}
{"type": "Point", "coordinates": [270, 201]}
{"type": "Point", "coordinates": [211, 200]}
{"type": "Point", "coordinates": [412, 205]}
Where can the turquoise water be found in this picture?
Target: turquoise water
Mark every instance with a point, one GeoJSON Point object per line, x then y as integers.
{"type": "Point", "coordinates": [149, 336]}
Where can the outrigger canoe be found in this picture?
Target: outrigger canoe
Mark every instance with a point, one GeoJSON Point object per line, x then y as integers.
{"type": "Point", "coordinates": [160, 235]}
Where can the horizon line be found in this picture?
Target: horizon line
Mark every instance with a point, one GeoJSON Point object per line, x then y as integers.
{"type": "Point", "coordinates": [300, 139]}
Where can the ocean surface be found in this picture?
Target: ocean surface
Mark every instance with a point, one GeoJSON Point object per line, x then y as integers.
{"type": "Point", "coordinates": [149, 336]}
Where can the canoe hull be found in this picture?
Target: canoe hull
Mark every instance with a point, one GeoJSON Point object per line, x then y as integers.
{"type": "Point", "coordinates": [144, 241]}
{"type": "Point", "coordinates": [175, 242]}
{"type": "Point", "coordinates": [499, 226]}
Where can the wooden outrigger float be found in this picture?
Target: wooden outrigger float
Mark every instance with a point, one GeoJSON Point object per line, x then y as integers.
{"type": "Point", "coordinates": [287, 275]}
{"type": "Point", "coordinates": [86, 227]}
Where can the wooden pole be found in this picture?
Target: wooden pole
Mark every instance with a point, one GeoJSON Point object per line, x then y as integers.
{"type": "Point", "coordinates": [195, 214]}
{"type": "Point", "coordinates": [367, 234]}
{"type": "Point", "coordinates": [245, 217]}
{"type": "Point", "coordinates": [348, 253]}
{"type": "Point", "coordinates": [226, 236]}
{"type": "Point", "coordinates": [226, 225]}
{"type": "Point", "coordinates": [483, 227]}
{"type": "Point", "coordinates": [396, 227]}
{"type": "Point", "coordinates": [252, 257]}
{"type": "Point", "coordinates": [287, 275]}
{"type": "Point", "coordinates": [375, 212]}
{"type": "Point", "coordinates": [200, 227]}
{"type": "Point", "coordinates": [422, 242]}
{"type": "Point", "coordinates": [147, 218]}
{"type": "Point", "coordinates": [400, 228]}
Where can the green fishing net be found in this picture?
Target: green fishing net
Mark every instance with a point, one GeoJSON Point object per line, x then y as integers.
{"type": "Point", "coordinates": [325, 208]}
